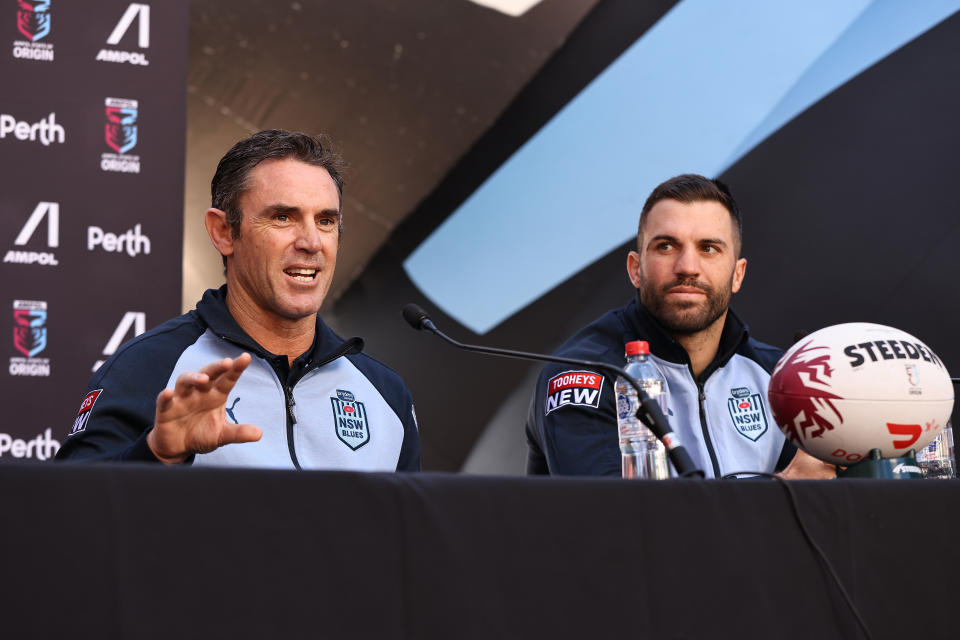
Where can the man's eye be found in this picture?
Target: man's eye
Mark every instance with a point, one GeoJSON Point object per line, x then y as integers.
{"type": "Point", "coordinates": [711, 249]}
{"type": "Point", "coordinates": [665, 246]}
{"type": "Point", "coordinates": [281, 217]}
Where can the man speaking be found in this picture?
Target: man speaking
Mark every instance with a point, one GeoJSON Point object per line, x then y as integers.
{"type": "Point", "coordinates": [253, 376]}
{"type": "Point", "coordinates": [686, 268]}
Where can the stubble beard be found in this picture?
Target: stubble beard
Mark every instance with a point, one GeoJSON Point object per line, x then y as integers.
{"type": "Point", "coordinates": [685, 318]}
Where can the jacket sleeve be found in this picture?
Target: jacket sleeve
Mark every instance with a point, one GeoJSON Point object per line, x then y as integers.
{"type": "Point", "coordinates": [573, 431]}
{"type": "Point", "coordinates": [395, 392]}
{"type": "Point", "coordinates": [409, 459]}
{"type": "Point", "coordinates": [114, 418]}
{"type": "Point", "coordinates": [118, 409]}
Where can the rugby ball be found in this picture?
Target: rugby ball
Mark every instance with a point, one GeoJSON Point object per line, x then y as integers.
{"type": "Point", "coordinates": [846, 389]}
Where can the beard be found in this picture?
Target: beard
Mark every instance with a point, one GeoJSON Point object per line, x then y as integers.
{"type": "Point", "coordinates": [688, 317]}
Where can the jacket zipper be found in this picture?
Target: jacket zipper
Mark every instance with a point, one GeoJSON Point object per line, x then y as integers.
{"type": "Point", "coordinates": [353, 345]}
{"type": "Point", "coordinates": [706, 434]}
{"type": "Point", "coordinates": [291, 420]}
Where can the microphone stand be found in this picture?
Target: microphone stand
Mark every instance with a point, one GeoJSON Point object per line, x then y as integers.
{"type": "Point", "coordinates": [649, 411]}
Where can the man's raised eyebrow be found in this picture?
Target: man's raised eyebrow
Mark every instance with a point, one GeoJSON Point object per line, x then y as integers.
{"type": "Point", "coordinates": [280, 208]}
{"type": "Point", "coordinates": [662, 236]}
{"type": "Point", "coordinates": [284, 208]}
{"type": "Point", "coordinates": [717, 241]}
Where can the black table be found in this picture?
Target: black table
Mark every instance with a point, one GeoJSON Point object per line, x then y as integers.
{"type": "Point", "coordinates": [149, 552]}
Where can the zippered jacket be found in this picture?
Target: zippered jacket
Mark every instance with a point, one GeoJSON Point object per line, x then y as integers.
{"type": "Point", "coordinates": [722, 417]}
{"type": "Point", "coordinates": [333, 408]}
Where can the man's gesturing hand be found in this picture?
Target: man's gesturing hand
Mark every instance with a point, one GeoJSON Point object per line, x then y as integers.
{"type": "Point", "coordinates": [191, 417]}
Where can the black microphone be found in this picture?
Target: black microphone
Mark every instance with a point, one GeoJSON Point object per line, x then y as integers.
{"type": "Point", "coordinates": [649, 411]}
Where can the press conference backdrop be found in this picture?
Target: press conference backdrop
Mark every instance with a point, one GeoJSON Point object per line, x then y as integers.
{"type": "Point", "coordinates": [92, 134]}
{"type": "Point", "coordinates": [834, 124]}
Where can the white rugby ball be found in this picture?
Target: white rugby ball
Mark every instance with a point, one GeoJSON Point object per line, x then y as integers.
{"type": "Point", "coordinates": [846, 389]}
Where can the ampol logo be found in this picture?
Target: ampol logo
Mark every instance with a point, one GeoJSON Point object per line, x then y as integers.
{"type": "Point", "coordinates": [137, 320]}
{"type": "Point", "coordinates": [50, 211]}
{"type": "Point", "coordinates": [134, 11]}
{"type": "Point", "coordinates": [33, 23]}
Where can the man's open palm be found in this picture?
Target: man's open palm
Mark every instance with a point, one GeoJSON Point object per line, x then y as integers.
{"type": "Point", "coordinates": [191, 417]}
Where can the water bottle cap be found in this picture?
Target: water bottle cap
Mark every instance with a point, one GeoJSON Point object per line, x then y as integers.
{"type": "Point", "coordinates": [637, 347]}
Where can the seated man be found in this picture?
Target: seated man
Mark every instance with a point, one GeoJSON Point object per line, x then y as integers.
{"type": "Point", "coordinates": [253, 376]}
{"type": "Point", "coordinates": [686, 267]}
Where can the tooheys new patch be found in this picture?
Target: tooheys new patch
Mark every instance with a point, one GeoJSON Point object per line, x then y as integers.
{"type": "Point", "coordinates": [85, 408]}
{"type": "Point", "coordinates": [580, 388]}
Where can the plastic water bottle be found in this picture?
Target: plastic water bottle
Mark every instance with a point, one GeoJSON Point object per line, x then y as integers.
{"type": "Point", "coordinates": [643, 456]}
{"type": "Point", "coordinates": [936, 459]}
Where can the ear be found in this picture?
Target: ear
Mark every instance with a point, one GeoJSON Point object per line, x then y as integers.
{"type": "Point", "coordinates": [219, 231]}
{"type": "Point", "coordinates": [633, 268]}
{"type": "Point", "coordinates": [739, 271]}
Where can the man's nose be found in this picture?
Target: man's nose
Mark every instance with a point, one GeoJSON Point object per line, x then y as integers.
{"type": "Point", "coordinates": [308, 238]}
{"type": "Point", "coordinates": [688, 262]}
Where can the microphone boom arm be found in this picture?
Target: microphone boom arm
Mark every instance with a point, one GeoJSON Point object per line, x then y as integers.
{"type": "Point", "coordinates": [649, 411]}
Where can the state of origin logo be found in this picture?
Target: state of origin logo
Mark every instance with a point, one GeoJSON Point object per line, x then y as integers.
{"type": "Point", "coordinates": [33, 23]}
{"type": "Point", "coordinates": [29, 338]}
{"type": "Point", "coordinates": [120, 134]}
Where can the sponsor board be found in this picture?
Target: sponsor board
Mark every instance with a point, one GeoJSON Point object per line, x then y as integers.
{"type": "Point", "coordinates": [34, 21]}
{"type": "Point", "coordinates": [50, 211]}
{"type": "Point", "coordinates": [29, 338]}
{"type": "Point", "coordinates": [135, 12]}
{"type": "Point", "coordinates": [120, 135]}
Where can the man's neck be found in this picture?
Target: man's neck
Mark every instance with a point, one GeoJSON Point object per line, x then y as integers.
{"type": "Point", "coordinates": [281, 336]}
{"type": "Point", "coordinates": [702, 347]}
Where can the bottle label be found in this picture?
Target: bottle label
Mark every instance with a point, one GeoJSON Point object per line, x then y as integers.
{"type": "Point", "coordinates": [625, 408]}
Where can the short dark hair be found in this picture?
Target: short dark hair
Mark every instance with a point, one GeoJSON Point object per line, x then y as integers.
{"type": "Point", "coordinates": [230, 180]}
{"type": "Point", "coordinates": [691, 187]}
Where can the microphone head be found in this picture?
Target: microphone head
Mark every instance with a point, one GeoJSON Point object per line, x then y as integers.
{"type": "Point", "coordinates": [414, 315]}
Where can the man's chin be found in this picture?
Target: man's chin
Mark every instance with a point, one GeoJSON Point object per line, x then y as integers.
{"type": "Point", "coordinates": [299, 311]}
{"type": "Point", "coordinates": [686, 320]}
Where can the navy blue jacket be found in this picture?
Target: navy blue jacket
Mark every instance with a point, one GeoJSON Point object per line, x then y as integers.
{"type": "Point", "coordinates": [333, 408]}
{"type": "Point", "coordinates": [722, 417]}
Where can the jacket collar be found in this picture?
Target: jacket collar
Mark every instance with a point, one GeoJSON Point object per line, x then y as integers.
{"type": "Point", "coordinates": [327, 345]}
{"type": "Point", "coordinates": [734, 334]}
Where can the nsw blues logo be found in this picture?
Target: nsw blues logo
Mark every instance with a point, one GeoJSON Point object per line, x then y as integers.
{"type": "Point", "coordinates": [350, 420]}
{"type": "Point", "coordinates": [120, 132]}
{"type": "Point", "coordinates": [29, 329]}
{"type": "Point", "coordinates": [33, 19]}
{"type": "Point", "coordinates": [747, 413]}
